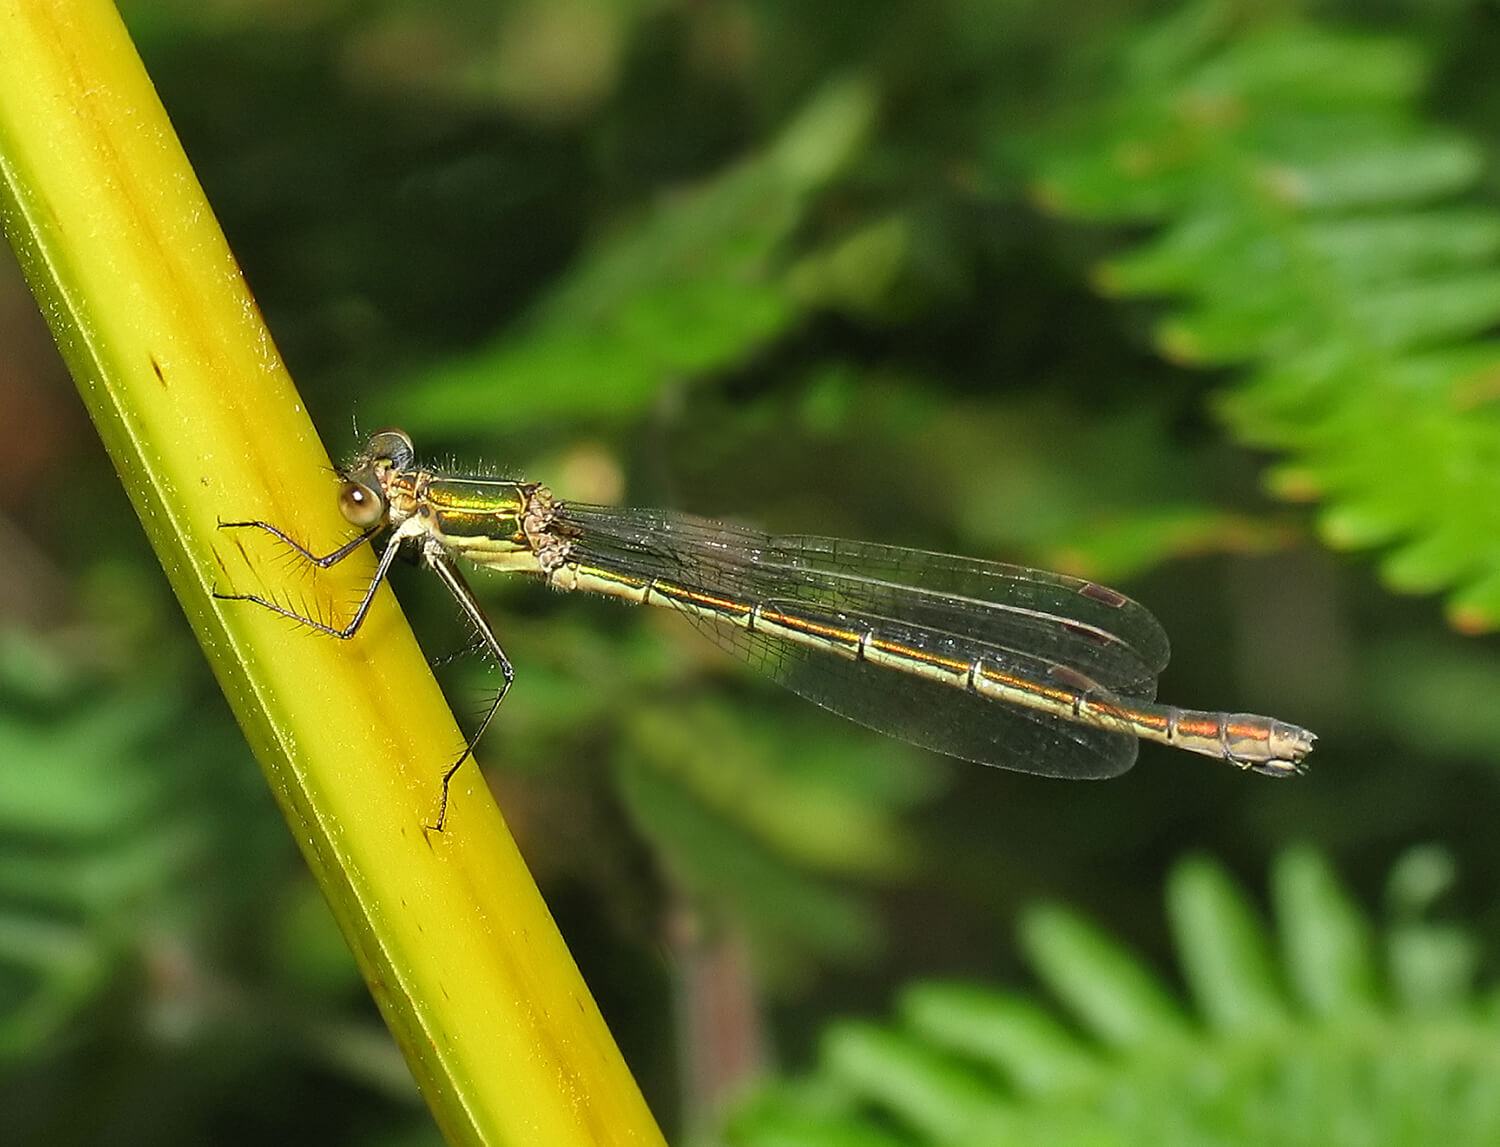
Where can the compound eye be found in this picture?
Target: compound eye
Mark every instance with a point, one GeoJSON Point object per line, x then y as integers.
{"type": "Point", "coordinates": [361, 505]}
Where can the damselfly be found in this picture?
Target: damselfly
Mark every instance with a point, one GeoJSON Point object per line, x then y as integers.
{"type": "Point", "coordinates": [999, 664]}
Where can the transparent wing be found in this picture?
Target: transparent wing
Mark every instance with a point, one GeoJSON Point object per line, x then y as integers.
{"type": "Point", "coordinates": [1025, 621]}
{"type": "Point", "coordinates": [1094, 630]}
{"type": "Point", "coordinates": [1089, 628]}
{"type": "Point", "coordinates": [931, 714]}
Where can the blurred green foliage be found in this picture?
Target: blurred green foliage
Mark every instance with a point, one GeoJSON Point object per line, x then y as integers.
{"type": "Point", "coordinates": [1339, 1036]}
{"type": "Point", "coordinates": [831, 268]}
{"type": "Point", "coordinates": [1308, 223]}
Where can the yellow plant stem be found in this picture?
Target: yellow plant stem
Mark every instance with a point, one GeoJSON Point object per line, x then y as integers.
{"type": "Point", "coordinates": [203, 424]}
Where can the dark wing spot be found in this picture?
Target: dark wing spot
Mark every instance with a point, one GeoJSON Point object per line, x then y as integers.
{"type": "Point", "coordinates": [1089, 633]}
{"type": "Point", "coordinates": [1110, 597]}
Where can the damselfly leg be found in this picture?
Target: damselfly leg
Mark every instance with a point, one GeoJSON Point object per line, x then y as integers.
{"type": "Point", "coordinates": [438, 561]}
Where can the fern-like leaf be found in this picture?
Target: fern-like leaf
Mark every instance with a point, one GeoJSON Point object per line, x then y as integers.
{"type": "Point", "coordinates": [1289, 1039]}
{"type": "Point", "coordinates": [692, 286]}
{"type": "Point", "coordinates": [1307, 231]}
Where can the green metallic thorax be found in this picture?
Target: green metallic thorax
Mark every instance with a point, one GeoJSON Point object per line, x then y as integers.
{"type": "Point", "coordinates": [476, 518]}
{"type": "Point", "coordinates": [489, 521]}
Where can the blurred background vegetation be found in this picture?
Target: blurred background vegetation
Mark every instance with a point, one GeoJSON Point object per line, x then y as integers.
{"type": "Point", "coordinates": [1196, 299]}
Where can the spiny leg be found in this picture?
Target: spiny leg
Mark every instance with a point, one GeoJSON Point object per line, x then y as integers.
{"type": "Point", "coordinates": [323, 562]}
{"type": "Point", "coordinates": [444, 566]}
{"type": "Point", "coordinates": [387, 556]}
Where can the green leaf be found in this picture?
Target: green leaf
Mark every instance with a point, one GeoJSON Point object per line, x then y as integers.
{"type": "Point", "coordinates": [1432, 963]}
{"type": "Point", "coordinates": [1114, 995]}
{"type": "Point", "coordinates": [1308, 234]}
{"type": "Point", "coordinates": [1327, 943]}
{"type": "Point", "coordinates": [1016, 1037]}
{"type": "Point", "coordinates": [942, 1099]}
{"type": "Point", "coordinates": [1225, 956]}
{"type": "Point", "coordinates": [1336, 1066]}
{"type": "Point", "coordinates": [1392, 173]}
{"type": "Point", "coordinates": [694, 286]}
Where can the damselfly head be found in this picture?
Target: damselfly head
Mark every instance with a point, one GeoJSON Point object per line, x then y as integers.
{"type": "Point", "coordinates": [362, 499]}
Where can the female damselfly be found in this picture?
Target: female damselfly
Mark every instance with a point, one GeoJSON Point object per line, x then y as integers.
{"type": "Point", "coordinates": [995, 663]}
